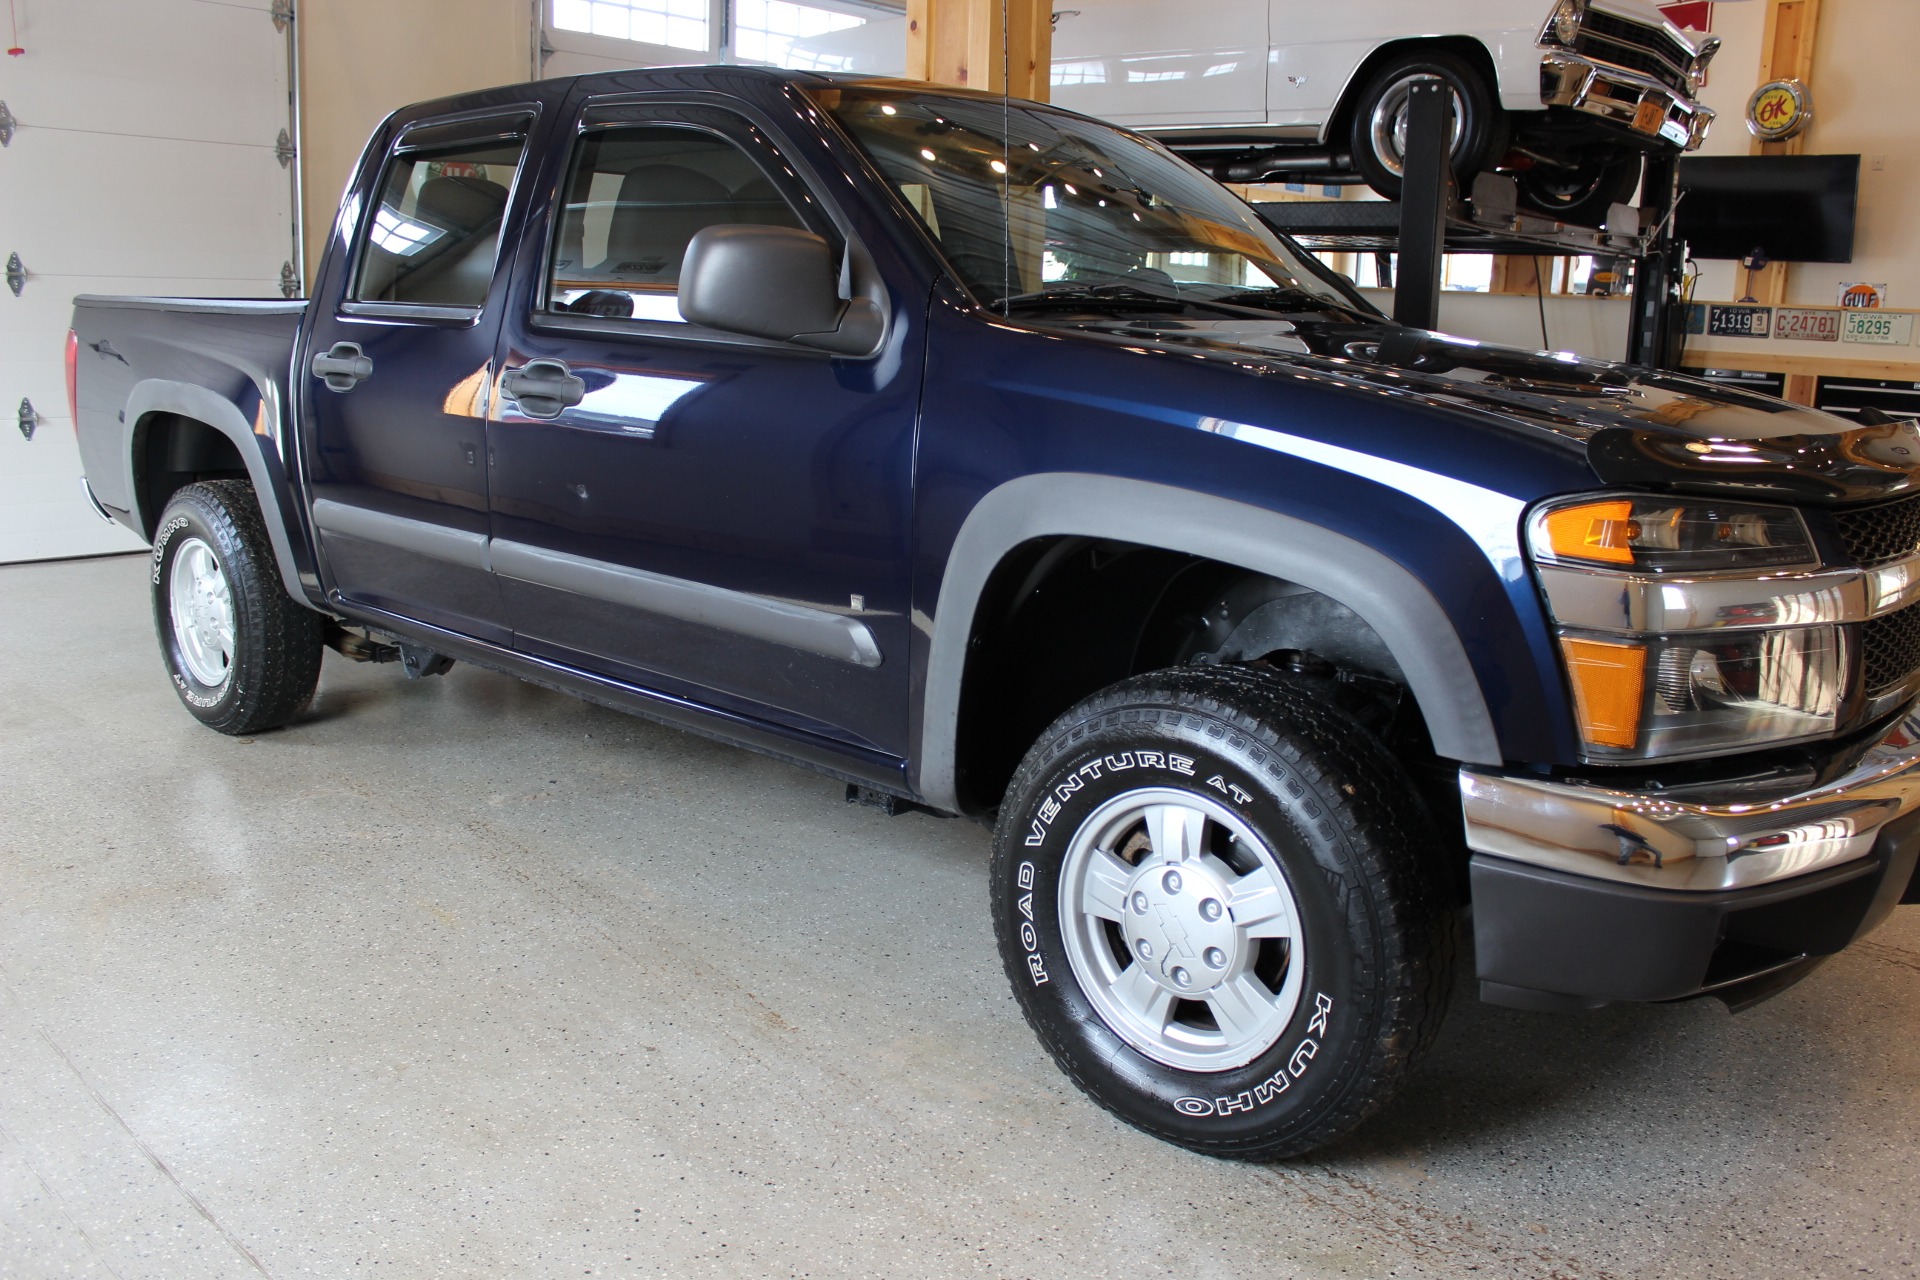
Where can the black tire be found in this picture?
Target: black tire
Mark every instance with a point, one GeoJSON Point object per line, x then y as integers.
{"type": "Point", "coordinates": [1376, 917]}
{"type": "Point", "coordinates": [1480, 134]}
{"type": "Point", "coordinates": [268, 671]}
{"type": "Point", "coordinates": [1582, 194]}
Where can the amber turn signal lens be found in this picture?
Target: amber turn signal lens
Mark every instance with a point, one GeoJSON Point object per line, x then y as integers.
{"type": "Point", "coordinates": [1608, 683]}
{"type": "Point", "coordinates": [1600, 532]}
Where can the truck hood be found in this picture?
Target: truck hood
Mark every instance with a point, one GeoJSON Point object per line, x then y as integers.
{"type": "Point", "coordinates": [1637, 426]}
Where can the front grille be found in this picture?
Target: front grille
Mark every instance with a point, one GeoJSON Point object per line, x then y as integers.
{"type": "Point", "coordinates": [1890, 650]}
{"type": "Point", "coordinates": [1875, 535]}
{"type": "Point", "coordinates": [1651, 51]}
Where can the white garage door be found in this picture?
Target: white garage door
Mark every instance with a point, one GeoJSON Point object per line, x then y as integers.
{"type": "Point", "coordinates": [142, 161]}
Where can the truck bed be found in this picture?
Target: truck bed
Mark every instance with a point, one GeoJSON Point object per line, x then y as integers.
{"type": "Point", "coordinates": [235, 350]}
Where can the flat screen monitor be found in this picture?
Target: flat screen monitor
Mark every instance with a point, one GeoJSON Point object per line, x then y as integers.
{"type": "Point", "coordinates": [1793, 208]}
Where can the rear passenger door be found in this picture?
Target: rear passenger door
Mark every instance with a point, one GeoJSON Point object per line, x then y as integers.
{"type": "Point", "coordinates": [720, 518]}
{"type": "Point", "coordinates": [397, 375]}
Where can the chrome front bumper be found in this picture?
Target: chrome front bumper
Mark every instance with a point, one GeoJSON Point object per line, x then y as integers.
{"type": "Point", "coordinates": [1696, 840]}
{"type": "Point", "coordinates": [1616, 95]}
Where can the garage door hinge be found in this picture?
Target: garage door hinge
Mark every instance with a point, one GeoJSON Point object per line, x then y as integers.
{"type": "Point", "coordinates": [289, 281]}
{"type": "Point", "coordinates": [283, 149]}
{"type": "Point", "coordinates": [28, 418]}
{"type": "Point", "coordinates": [6, 126]}
{"type": "Point", "coordinates": [282, 14]}
{"type": "Point", "coordinates": [16, 274]}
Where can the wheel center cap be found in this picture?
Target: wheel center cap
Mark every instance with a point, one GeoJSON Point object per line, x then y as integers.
{"type": "Point", "coordinates": [1178, 926]}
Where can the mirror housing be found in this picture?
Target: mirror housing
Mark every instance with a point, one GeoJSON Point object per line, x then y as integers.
{"type": "Point", "coordinates": [775, 282]}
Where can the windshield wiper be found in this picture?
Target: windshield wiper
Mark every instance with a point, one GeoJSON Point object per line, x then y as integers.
{"type": "Point", "coordinates": [1098, 297]}
{"type": "Point", "coordinates": [1126, 297]}
{"type": "Point", "coordinates": [1285, 297]}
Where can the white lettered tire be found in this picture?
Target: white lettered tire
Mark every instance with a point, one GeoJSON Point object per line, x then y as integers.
{"type": "Point", "coordinates": [242, 654]}
{"type": "Point", "coordinates": [1223, 910]}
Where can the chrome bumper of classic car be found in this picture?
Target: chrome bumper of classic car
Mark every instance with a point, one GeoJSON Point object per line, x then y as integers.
{"type": "Point", "coordinates": [1695, 839]}
{"type": "Point", "coordinates": [1636, 102]}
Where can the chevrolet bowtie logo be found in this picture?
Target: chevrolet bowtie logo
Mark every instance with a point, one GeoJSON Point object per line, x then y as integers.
{"type": "Point", "coordinates": [1174, 932]}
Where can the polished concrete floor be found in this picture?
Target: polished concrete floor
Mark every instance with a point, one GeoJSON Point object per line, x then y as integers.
{"type": "Point", "coordinates": [464, 978]}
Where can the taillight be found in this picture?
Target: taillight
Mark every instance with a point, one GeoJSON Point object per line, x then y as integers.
{"type": "Point", "coordinates": [73, 381]}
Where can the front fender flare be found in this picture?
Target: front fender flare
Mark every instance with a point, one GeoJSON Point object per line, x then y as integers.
{"type": "Point", "coordinates": [1395, 603]}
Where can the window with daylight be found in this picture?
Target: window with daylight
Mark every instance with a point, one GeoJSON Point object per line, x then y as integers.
{"type": "Point", "coordinates": [784, 34]}
{"type": "Point", "coordinates": [1068, 73]}
{"type": "Point", "coordinates": [674, 24]}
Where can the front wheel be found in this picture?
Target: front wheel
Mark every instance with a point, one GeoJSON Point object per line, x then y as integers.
{"type": "Point", "coordinates": [1223, 911]}
{"type": "Point", "coordinates": [243, 654]}
{"type": "Point", "coordinates": [1377, 132]}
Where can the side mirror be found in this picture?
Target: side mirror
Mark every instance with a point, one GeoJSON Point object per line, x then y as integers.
{"type": "Point", "coordinates": [778, 283]}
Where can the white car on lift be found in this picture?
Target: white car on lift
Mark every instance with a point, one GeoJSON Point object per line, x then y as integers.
{"type": "Point", "coordinates": [1568, 96]}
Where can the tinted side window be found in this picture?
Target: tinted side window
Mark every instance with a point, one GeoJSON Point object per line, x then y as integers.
{"type": "Point", "coordinates": [636, 196]}
{"type": "Point", "coordinates": [435, 234]}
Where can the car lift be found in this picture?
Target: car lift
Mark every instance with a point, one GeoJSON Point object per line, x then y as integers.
{"type": "Point", "coordinates": [1432, 218]}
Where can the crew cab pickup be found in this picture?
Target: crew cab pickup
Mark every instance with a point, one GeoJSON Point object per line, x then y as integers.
{"type": "Point", "coordinates": [998, 463]}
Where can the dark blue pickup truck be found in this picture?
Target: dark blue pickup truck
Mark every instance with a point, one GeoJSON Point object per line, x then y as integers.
{"type": "Point", "coordinates": [997, 463]}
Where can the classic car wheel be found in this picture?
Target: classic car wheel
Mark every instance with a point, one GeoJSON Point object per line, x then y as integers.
{"type": "Point", "coordinates": [1223, 910]}
{"type": "Point", "coordinates": [1378, 129]}
{"type": "Point", "coordinates": [243, 655]}
{"type": "Point", "coordinates": [1582, 193]}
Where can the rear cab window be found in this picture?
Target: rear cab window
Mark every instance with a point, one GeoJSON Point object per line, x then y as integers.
{"type": "Point", "coordinates": [433, 237]}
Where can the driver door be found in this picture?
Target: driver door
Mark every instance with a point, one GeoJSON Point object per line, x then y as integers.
{"type": "Point", "coordinates": [719, 518]}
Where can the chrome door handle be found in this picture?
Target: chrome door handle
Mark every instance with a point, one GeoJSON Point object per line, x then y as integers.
{"type": "Point", "coordinates": [343, 368]}
{"type": "Point", "coordinates": [544, 388]}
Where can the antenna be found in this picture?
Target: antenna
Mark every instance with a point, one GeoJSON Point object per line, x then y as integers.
{"type": "Point", "coordinates": [1006, 147]}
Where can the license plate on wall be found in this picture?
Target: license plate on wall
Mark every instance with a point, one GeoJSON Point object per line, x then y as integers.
{"type": "Point", "coordinates": [1879, 328]}
{"type": "Point", "coordinates": [1796, 325]}
{"type": "Point", "coordinates": [1739, 322]}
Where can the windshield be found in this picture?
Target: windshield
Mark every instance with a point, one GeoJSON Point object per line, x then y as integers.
{"type": "Point", "coordinates": [1038, 209]}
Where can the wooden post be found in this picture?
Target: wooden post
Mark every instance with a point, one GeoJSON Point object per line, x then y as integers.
{"type": "Point", "coordinates": [1518, 275]}
{"type": "Point", "coordinates": [991, 45]}
{"type": "Point", "coordinates": [1786, 53]}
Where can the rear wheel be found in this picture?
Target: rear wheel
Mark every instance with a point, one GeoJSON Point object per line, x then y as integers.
{"type": "Point", "coordinates": [243, 655]}
{"type": "Point", "coordinates": [1223, 910]}
{"type": "Point", "coordinates": [1582, 193]}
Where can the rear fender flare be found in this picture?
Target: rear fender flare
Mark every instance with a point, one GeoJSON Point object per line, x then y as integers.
{"type": "Point", "coordinates": [1395, 603]}
{"type": "Point", "coordinates": [162, 395]}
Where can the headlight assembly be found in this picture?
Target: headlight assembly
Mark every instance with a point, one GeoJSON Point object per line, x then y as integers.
{"type": "Point", "coordinates": [1670, 697]}
{"type": "Point", "coordinates": [1643, 692]}
{"type": "Point", "coordinates": [1563, 26]}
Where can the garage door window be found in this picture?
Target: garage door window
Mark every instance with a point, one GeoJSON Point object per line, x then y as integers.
{"type": "Point", "coordinates": [435, 232]}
